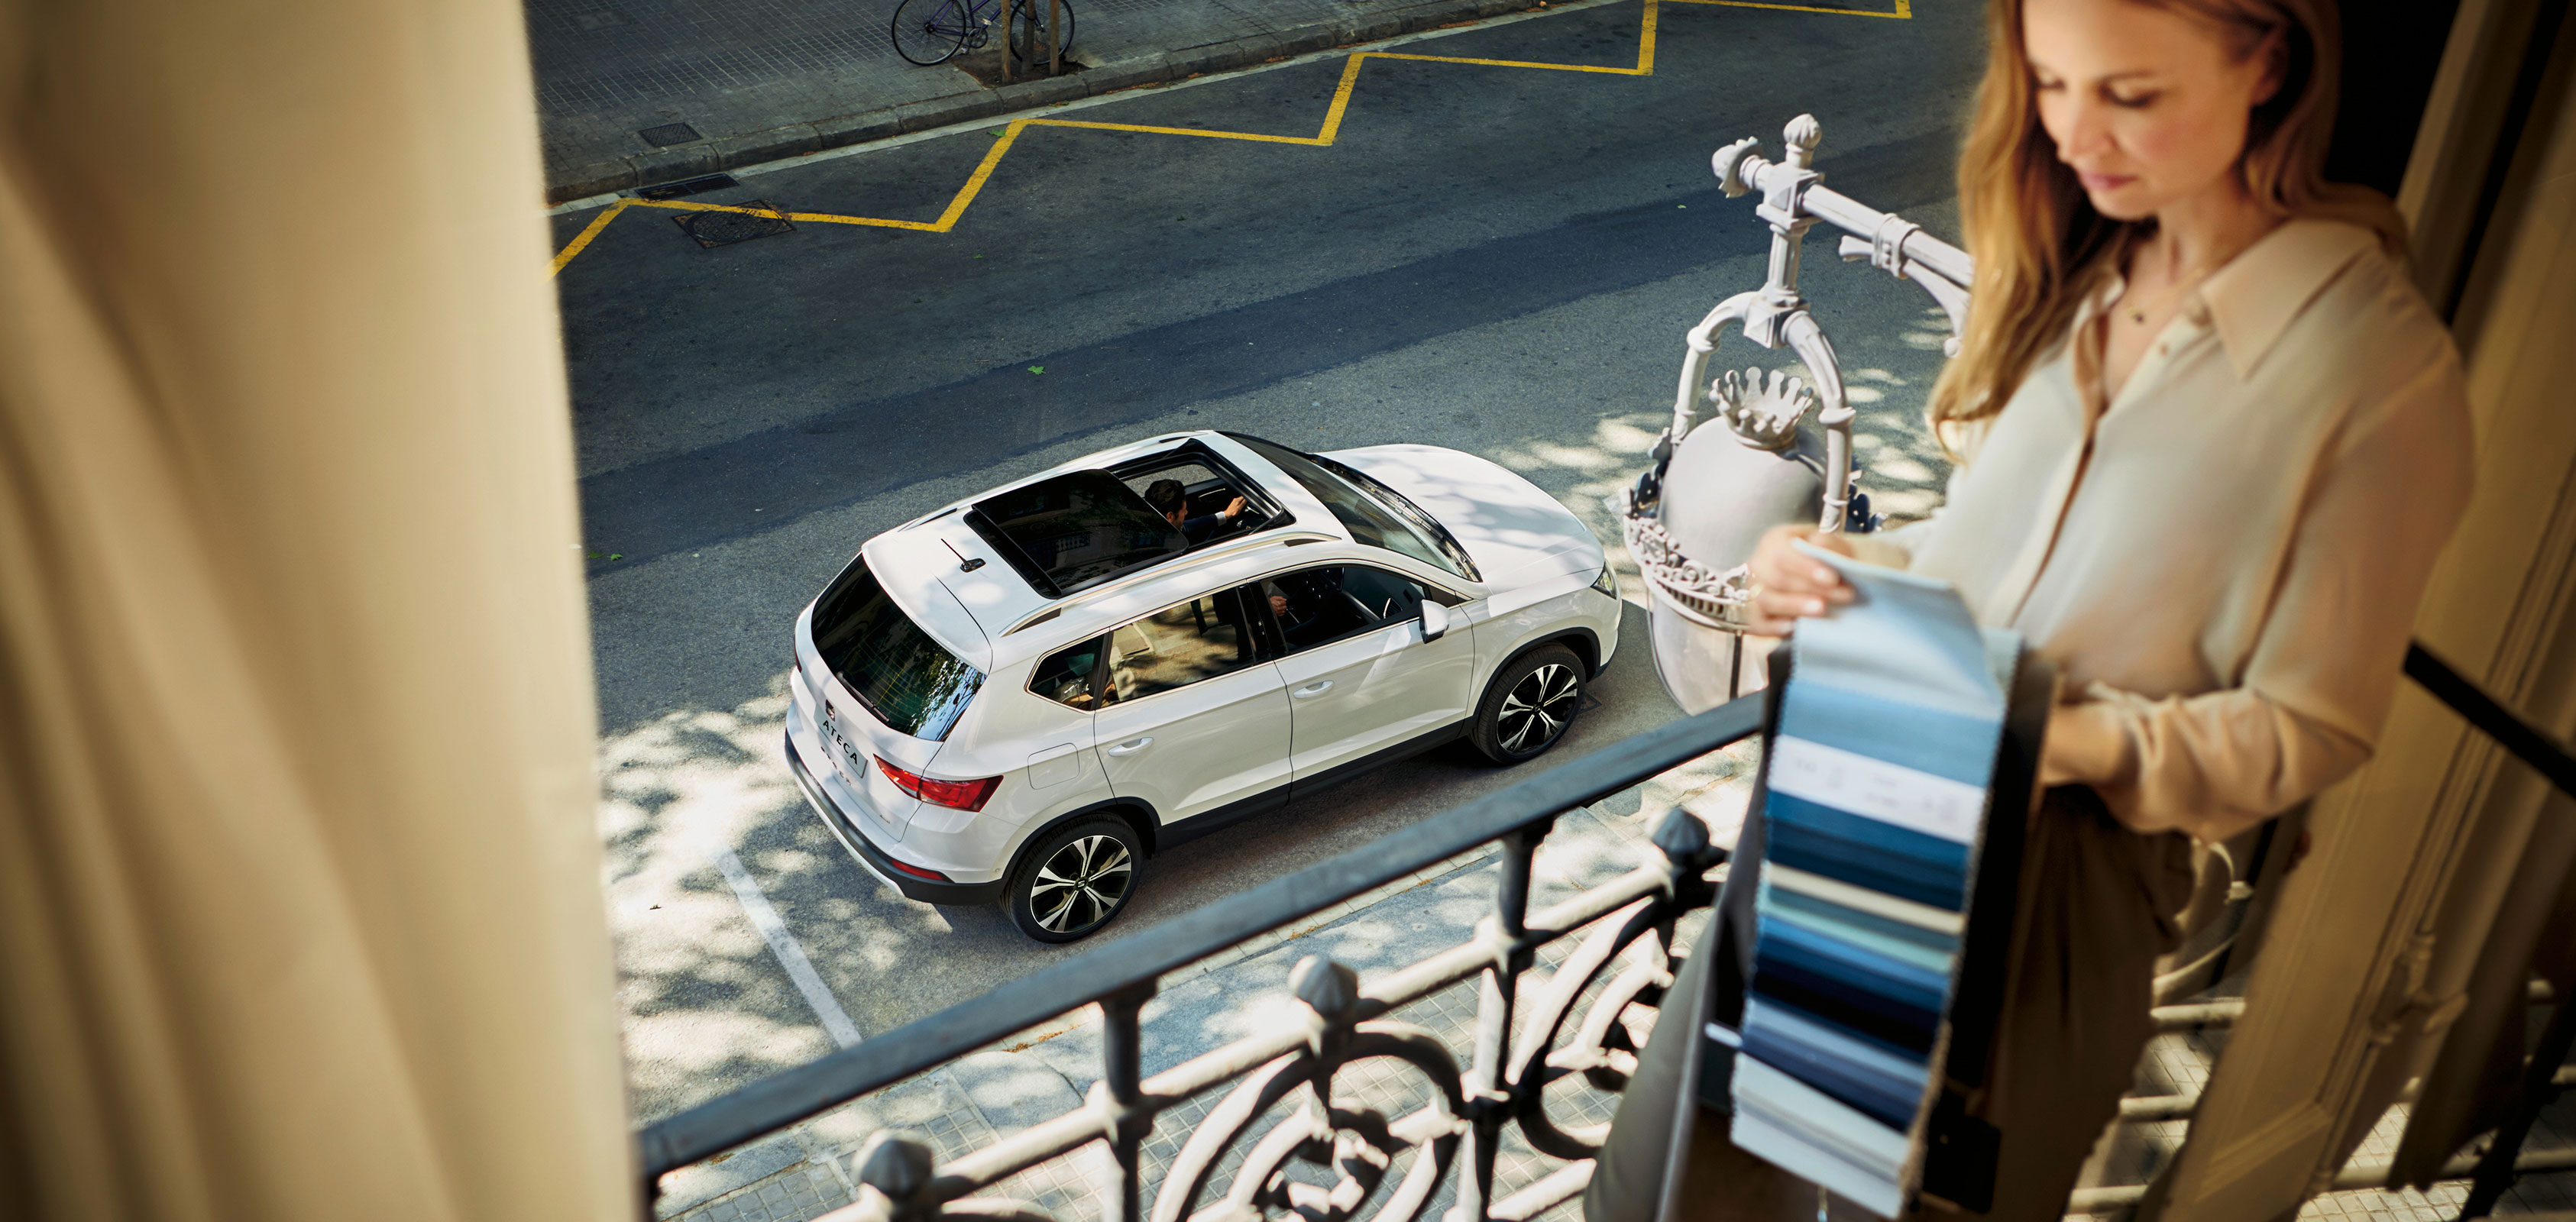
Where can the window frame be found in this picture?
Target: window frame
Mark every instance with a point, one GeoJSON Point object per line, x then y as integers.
{"type": "Point", "coordinates": [1270, 638]}
{"type": "Point", "coordinates": [1103, 682]}
{"type": "Point", "coordinates": [1099, 671]}
{"type": "Point", "coordinates": [1276, 633]}
{"type": "Point", "coordinates": [942, 717]}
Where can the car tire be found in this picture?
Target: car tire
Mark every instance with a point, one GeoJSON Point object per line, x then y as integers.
{"type": "Point", "coordinates": [1075, 881]}
{"type": "Point", "coordinates": [1529, 705]}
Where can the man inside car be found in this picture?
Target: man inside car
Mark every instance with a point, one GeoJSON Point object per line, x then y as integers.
{"type": "Point", "coordinates": [1169, 500]}
{"type": "Point", "coordinates": [1311, 607]}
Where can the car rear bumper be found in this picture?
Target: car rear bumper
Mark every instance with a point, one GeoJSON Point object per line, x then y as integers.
{"type": "Point", "coordinates": [925, 890]}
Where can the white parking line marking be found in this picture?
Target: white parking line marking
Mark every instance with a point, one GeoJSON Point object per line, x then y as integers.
{"type": "Point", "coordinates": [790, 952]}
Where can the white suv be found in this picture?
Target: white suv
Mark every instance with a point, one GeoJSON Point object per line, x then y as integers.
{"type": "Point", "coordinates": [1019, 697]}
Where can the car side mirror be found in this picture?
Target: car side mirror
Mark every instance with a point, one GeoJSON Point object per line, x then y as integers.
{"type": "Point", "coordinates": [1435, 621]}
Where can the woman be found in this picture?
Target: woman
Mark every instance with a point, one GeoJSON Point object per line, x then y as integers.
{"type": "Point", "coordinates": [2210, 441]}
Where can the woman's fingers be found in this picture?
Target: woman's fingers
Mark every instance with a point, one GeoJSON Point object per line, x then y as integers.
{"type": "Point", "coordinates": [1760, 624]}
{"type": "Point", "coordinates": [1775, 614]}
{"type": "Point", "coordinates": [1783, 605]}
{"type": "Point", "coordinates": [1788, 584]}
{"type": "Point", "coordinates": [1778, 566]}
{"type": "Point", "coordinates": [1820, 574]}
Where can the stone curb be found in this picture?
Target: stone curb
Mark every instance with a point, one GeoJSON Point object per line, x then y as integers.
{"type": "Point", "coordinates": [727, 152]}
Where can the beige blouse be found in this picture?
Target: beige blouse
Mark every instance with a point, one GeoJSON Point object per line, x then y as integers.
{"type": "Point", "coordinates": [2224, 566]}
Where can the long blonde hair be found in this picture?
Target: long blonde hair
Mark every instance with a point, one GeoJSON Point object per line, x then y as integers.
{"type": "Point", "coordinates": [2040, 246]}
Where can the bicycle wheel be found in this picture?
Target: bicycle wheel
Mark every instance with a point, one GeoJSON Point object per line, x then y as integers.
{"type": "Point", "coordinates": [929, 31]}
{"type": "Point", "coordinates": [1034, 32]}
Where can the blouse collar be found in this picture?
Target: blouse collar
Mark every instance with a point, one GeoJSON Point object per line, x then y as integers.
{"type": "Point", "coordinates": [2252, 300]}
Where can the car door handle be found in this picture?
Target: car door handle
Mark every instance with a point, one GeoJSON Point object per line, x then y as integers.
{"type": "Point", "coordinates": [1131, 746]}
{"type": "Point", "coordinates": [1313, 689]}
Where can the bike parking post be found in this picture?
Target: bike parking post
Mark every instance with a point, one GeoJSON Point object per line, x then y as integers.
{"type": "Point", "coordinates": [1020, 22]}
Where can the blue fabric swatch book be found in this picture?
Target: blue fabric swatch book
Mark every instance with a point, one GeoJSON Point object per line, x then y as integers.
{"type": "Point", "coordinates": [1877, 785]}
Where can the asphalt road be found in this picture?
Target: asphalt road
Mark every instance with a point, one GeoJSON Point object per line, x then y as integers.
{"type": "Point", "coordinates": [1498, 259]}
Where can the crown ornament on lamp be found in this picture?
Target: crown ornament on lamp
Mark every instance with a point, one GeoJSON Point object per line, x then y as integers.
{"type": "Point", "coordinates": [1762, 412]}
{"type": "Point", "coordinates": [1749, 450]}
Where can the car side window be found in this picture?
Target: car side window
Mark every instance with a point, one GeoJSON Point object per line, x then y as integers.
{"type": "Point", "coordinates": [1068, 675]}
{"type": "Point", "coordinates": [1329, 602]}
{"type": "Point", "coordinates": [1178, 646]}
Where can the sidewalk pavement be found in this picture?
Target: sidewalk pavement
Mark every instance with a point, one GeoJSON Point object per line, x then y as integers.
{"type": "Point", "coordinates": [631, 93]}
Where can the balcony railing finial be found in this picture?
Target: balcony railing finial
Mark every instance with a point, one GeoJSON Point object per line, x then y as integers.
{"type": "Point", "coordinates": [894, 1169]}
{"type": "Point", "coordinates": [1331, 990]}
{"type": "Point", "coordinates": [1682, 837]}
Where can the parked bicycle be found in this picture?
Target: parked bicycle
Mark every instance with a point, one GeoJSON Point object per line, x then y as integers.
{"type": "Point", "coordinates": [930, 31]}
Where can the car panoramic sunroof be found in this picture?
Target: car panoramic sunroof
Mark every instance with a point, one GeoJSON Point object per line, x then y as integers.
{"type": "Point", "coordinates": [1075, 530]}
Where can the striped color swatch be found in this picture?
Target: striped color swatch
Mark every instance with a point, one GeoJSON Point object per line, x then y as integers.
{"type": "Point", "coordinates": [1876, 788]}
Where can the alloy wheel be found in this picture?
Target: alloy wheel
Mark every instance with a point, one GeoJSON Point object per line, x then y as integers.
{"type": "Point", "coordinates": [1081, 885]}
{"type": "Point", "coordinates": [1538, 707]}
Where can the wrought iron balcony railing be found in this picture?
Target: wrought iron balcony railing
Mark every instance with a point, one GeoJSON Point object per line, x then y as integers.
{"type": "Point", "coordinates": [1466, 1110]}
{"type": "Point", "coordinates": [1460, 1127]}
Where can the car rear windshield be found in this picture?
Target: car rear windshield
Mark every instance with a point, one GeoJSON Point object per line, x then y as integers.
{"type": "Point", "coordinates": [1075, 530]}
{"type": "Point", "coordinates": [1375, 514]}
{"type": "Point", "coordinates": [905, 678]}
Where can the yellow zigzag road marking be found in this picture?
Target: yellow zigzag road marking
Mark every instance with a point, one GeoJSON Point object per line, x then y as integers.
{"type": "Point", "coordinates": [1322, 137]}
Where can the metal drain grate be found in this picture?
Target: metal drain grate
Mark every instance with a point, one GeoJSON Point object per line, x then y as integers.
{"type": "Point", "coordinates": [712, 229]}
{"type": "Point", "coordinates": [688, 186]}
{"type": "Point", "coordinates": [668, 134]}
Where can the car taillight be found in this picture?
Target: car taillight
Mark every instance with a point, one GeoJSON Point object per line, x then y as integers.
{"type": "Point", "coordinates": [917, 872]}
{"type": "Point", "coordinates": [962, 795]}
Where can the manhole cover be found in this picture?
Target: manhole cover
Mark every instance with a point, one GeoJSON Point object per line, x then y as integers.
{"type": "Point", "coordinates": [668, 134]}
{"type": "Point", "coordinates": [712, 229]}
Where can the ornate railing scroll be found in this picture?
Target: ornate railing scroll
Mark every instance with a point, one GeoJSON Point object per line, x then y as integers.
{"type": "Point", "coordinates": [1626, 926]}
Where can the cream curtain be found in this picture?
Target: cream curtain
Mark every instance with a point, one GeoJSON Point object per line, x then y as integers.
{"type": "Point", "coordinates": [299, 914]}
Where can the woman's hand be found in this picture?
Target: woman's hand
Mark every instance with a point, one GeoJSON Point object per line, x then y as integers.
{"type": "Point", "coordinates": [1788, 584]}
